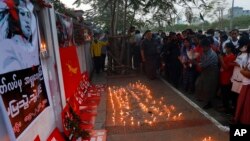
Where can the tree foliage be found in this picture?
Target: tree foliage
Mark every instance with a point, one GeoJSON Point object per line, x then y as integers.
{"type": "Point", "coordinates": [239, 23]}
{"type": "Point", "coordinates": [160, 11]}
{"type": "Point", "coordinates": [61, 8]}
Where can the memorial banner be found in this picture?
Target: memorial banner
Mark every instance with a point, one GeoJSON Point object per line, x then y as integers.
{"type": "Point", "coordinates": [23, 95]}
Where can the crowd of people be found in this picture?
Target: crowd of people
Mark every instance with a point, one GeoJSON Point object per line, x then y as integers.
{"type": "Point", "coordinates": [208, 64]}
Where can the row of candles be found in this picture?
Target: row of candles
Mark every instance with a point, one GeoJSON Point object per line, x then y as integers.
{"type": "Point", "coordinates": [134, 105]}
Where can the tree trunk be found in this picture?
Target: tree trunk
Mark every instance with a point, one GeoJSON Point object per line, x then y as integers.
{"type": "Point", "coordinates": [131, 23]}
{"type": "Point", "coordinates": [112, 50]}
{"type": "Point", "coordinates": [123, 45]}
{"type": "Point", "coordinates": [114, 17]}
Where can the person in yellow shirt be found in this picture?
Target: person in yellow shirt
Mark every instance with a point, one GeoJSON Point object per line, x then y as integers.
{"type": "Point", "coordinates": [96, 50]}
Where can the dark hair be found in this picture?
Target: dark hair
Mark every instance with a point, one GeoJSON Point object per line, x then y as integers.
{"type": "Point", "coordinates": [190, 31]}
{"type": "Point", "coordinates": [147, 31]}
{"type": "Point", "coordinates": [244, 34]}
{"type": "Point", "coordinates": [15, 24]}
{"type": "Point", "coordinates": [231, 46]}
{"type": "Point", "coordinates": [243, 41]}
{"type": "Point", "coordinates": [234, 30]}
{"type": "Point", "coordinates": [137, 31]}
{"type": "Point", "coordinates": [187, 39]}
{"type": "Point", "coordinates": [172, 33]}
{"type": "Point", "coordinates": [205, 42]}
{"type": "Point", "coordinates": [224, 37]}
{"type": "Point", "coordinates": [210, 32]}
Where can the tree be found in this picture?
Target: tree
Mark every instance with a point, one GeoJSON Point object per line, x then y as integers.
{"type": "Point", "coordinates": [117, 15]}
{"type": "Point", "coordinates": [162, 11]}
{"type": "Point", "coordinates": [213, 9]}
{"type": "Point", "coordinates": [189, 15]}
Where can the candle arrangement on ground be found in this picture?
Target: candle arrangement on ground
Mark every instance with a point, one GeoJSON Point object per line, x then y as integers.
{"type": "Point", "coordinates": [208, 139]}
{"type": "Point", "coordinates": [134, 105]}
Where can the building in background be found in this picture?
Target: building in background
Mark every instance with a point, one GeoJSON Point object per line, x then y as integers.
{"type": "Point", "coordinates": [238, 11]}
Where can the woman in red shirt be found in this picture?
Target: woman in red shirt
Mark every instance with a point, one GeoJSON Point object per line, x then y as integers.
{"type": "Point", "coordinates": [226, 71]}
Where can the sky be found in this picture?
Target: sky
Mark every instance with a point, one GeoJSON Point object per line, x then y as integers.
{"type": "Point", "coordinates": [241, 3]}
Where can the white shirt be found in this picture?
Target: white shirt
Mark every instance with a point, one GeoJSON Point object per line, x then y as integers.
{"type": "Point", "coordinates": [236, 44]}
{"type": "Point", "coordinates": [241, 60]}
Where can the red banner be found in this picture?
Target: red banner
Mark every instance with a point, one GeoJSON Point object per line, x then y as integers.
{"type": "Point", "coordinates": [55, 136]}
{"type": "Point", "coordinates": [37, 138]}
{"type": "Point", "coordinates": [70, 69]}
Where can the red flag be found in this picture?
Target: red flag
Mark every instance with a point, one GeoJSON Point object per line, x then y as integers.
{"type": "Point", "coordinates": [70, 69]}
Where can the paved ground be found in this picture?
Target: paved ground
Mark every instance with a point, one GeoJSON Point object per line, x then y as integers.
{"type": "Point", "coordinates": [194, 127]}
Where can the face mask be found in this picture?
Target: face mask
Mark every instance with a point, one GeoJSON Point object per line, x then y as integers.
{"type": "Point", "coordinates": [243, 49]}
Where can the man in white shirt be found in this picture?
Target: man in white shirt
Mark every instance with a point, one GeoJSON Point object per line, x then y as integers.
{"type": "Point", "coordinates": [234, 37]}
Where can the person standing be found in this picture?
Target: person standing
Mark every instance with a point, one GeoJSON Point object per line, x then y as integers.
{"type": "Point", "coordinates": [207, 83]}
{"type": "Point", "coordinates": [96, 49]}
{"type": "Point", "coordinates": [237, 77]}
{"type": "Point", "coordinates": [234, 39]}
{"type": "Point", "coordinates": [187, 57]}
{"type": "Point", "coordinates": [242, 115]}
{"type": "Point", "coordinates": [149, 55]}
{"type": "Point", "coordinates": [104, 51]}
{"type": "Point", "coordinates": [226, 72]}
{"type": "Point", "coordinates": [137, 54]}
{"type": "Point", "coordinates": [175, 66]}
{"type": "Point", "coordinates": [131, 46]}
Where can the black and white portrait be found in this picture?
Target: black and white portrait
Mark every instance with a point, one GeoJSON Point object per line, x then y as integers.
{"type": "Point", "coordinates": [19, 39]}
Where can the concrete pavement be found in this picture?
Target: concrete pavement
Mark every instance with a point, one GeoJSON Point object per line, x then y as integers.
{"type": "Point", "coordinates": [194, 126]}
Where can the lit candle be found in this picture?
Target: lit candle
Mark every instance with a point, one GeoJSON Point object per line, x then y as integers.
{"type": "Point", "coordinates": [132, 123]}
{"type": "Point", "coordinates": [169, 115]}
{"type": "Point", "coordinates": [180, 114]}
{"type": "Point", "coordinates": [172, 107]}
{"type": "Point", "coordinates": [150, 122]}
{"type": "Point", "coordinates": [138, 123]}
{"type": "Point", "coordinates": [174, 118]}
{"type": "Point", "coordinates": [154, 119]}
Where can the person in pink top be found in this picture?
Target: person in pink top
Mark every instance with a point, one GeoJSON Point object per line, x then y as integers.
{"type": "Point", "coordinates": [242, 115]}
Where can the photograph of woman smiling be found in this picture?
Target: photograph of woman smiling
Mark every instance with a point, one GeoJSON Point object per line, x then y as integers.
{"type": "Point", "coordinates": [18, 50]}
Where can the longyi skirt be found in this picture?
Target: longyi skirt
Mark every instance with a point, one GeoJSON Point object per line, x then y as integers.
{"type": "Point", "coordinates": [243, 106]}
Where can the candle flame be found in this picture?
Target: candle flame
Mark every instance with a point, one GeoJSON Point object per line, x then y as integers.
{"type": "Point", "coordinates": [125, 101]}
